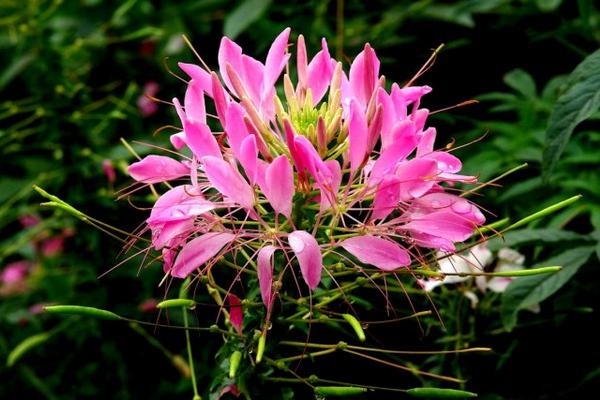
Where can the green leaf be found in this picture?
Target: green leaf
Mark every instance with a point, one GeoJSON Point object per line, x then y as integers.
{"type": "Point", "coordinates": [25, 346]}
{"type": "Point", "coordinates": [576, 104]}
{"type": "Point", "coordinates": [523, 236]}
{"type": "Point", "coordinates": [528, 291]}
{"type": "Point", "coordinates": [521, 82]}
{"type": "Point", "coordinates": [243, 16]}
{"type": "Point", "coordinates": [548, 5]}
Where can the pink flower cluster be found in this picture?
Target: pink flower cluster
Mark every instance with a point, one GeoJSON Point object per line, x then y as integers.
{"type": "Point", "coordinates": [336, 149]}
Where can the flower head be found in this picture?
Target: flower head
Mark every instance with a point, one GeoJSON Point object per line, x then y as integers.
{"type": "Point", "coordinates": [336, 166]}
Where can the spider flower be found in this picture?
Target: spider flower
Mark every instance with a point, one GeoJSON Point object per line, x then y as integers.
{"type": "Point", "coordinates": [336, 166]}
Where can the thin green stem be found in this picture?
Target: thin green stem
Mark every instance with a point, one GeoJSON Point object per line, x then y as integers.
{"type": "Point", "coordinates": [190, 356]}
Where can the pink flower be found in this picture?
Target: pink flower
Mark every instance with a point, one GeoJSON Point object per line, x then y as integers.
{"type": "Point", "coordinates": [13, 278]}
{"type": "Point", "coordinates": [147, 106]}
{"type": "Point", "coordinates": [109, 170]}
{"type": "Point", "coordinates": [336, 148]}
{"type": "Point", "coordinates": [29, 220]}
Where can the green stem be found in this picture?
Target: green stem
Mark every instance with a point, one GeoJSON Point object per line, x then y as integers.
{"type": "Point", "coordinates": [190, 357]}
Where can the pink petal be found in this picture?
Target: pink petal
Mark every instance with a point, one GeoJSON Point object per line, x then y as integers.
{"type": "Point", "coordinates": [382, 253]}
{"type": "Point", "coordinates": [252, 78]}
{"type": "Point", "coordinates": [329, 192]}
{"type": "Point", "coordinates": [236, 312]}
{"type": "Point", "coordinates": [320, 72]}
{"type": "Point", "coordinates": [235, 127]}
{"type": "Point", "coordinates": [229, 53]}
{"type": "Point", "coordinates": [309, 256]}
{"type": "Point", "coordinates": [364, 73]}
{"type": "Point", "coordinates": [403, 143]}
{"type": "Point", "coordinates": [276, 59]}
{"type": "Point", "coordinates": [220, 97]}
{"type": "Point", "coordinates": [387, 197]}
{"type": "Point", "coordinates": [416, 177]}
{"type": "Point", "coordinates": [154, 169]}
{"type": "Point", "coordinates": [199, 75]}
{"type": "Point", "coordinates": [265, 274]}
{"type": "Point", "coordinates": [279, 185]}
{"type": "Point", "coordinates": [248, 157]}
{"type": "Point", "coordinates": [172, 231]}
{"type": "Point", "coordinates": [358, 136]}
{"type": "Point", "coordinates": [194, 103]}
{"type": "Point", "coordinates": [200, 139]}
{"type": "Point", "coordinates": [447, 163]}
{"type": "Point", "coordinates": [198, 251]}
{"type": "Point", "coordinates": [302, 62]}
{"type": "Point", "coordinates": [445, 224]}
{"type": "Point", "coordinates": [426, 143]}
{"type": "Point", "coordinates": [297, 157]}
{"type": "Point", "coordinates": [227, 180]}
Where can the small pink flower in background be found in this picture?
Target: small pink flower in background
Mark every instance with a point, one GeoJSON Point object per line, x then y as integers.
{"type": "Point", "coordinates": [109, 170]}
{"type": "Point", "coordinates": [336, 145]}
{"type": "Point", "coordinates": [148, 306]}
{"type": "Point", "coordinates": [37, 308]}
{"type": "Point", "coordinates": [29, 221]}
{"type": "Point", "coordinates": [13, 278]}
{"type": "Point", "coordinates": [55, 245]}
{"type": "Point", "coordinates": [146, 106]}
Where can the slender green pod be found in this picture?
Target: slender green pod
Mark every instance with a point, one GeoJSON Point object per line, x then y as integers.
{"type": "Point", "coordinates": [187, 303]}
{"type": "Point", "coordinates": [355, 324]}
{"type": "Point", "coordinates": [83, 311]}
{"type": "Point", "coordinates": [26, 345]}
{"type": "Point", "coordinates": [527, 272]}
{"type": "Point", "coordinates": [234, 363]}
{"type": "Point", "coordinates": [542, 213]}
{"type": "Point", "coordinates": [339, 391]}
{"type": "Point", "coordinates": [262, 341]}
{"type": "Point", "coordinates": [439, 393]}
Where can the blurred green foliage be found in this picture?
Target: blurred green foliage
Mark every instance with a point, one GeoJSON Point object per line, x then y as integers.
{"type": "Point", "coordinates": [71, 76]}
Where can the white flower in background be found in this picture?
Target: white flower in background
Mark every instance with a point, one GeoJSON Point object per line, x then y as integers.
{"type": "Point", "coordinates": [476, 260]}
{"type": "Point", "coordinates": [473, 260]}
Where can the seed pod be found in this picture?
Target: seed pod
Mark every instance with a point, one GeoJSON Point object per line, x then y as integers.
{"type": "Point", "coordinates": [527, 272]}
{"type": "Point", "coordinates": [355, 324]}
{"type": "Point", "coordinates": [339, 391]}
{"type": "Point", "coordinates": [176, 303]}
{"type": "Point", "coordinates": [234, 363]}
{"type": "Point", "coordinates": [25, 346]}
{"type": "Point", "coordinates": [83, 311]}
{"type": "Point", "coordinates": [438, 393]}
{"type": "Point", "coordinates": [262, 340]}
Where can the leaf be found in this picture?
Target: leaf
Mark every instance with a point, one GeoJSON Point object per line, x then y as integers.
{"type": "Point", "coordinates": [26, 345]}
{"type": "Point", "coordinates": [523, 236]}
{"type": "Point", "coordinates": [548, 5]}
{"type": "Point", "coordinates": [243, 16]}
{"type": "Point", "coordinates": [576, 104]}
{"type": "Point", "coordinates": [521, 82]}
{"type": "Point", "coordinates": [528, 291]}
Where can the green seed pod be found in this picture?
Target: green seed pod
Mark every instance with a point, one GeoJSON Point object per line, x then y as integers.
{"type": "Point", "coordinates": [339, 391]}
{"type": "Point", "coordinates": [83, 311]}
{"type": "Point", "coordinates": [262, 340]}
{"type": "Point", "coordinates": [438, 393]}
{"type": "Point", "coordinates": [234, 363]}
{"type": "Point", "coordinates": [176, 303]}
{"type": "Point", "coordinates": [527, 272]}
{"type": "Point", "coordinates": [355, 324]}
{"type": "Point", "coordinates": [25, 346]}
